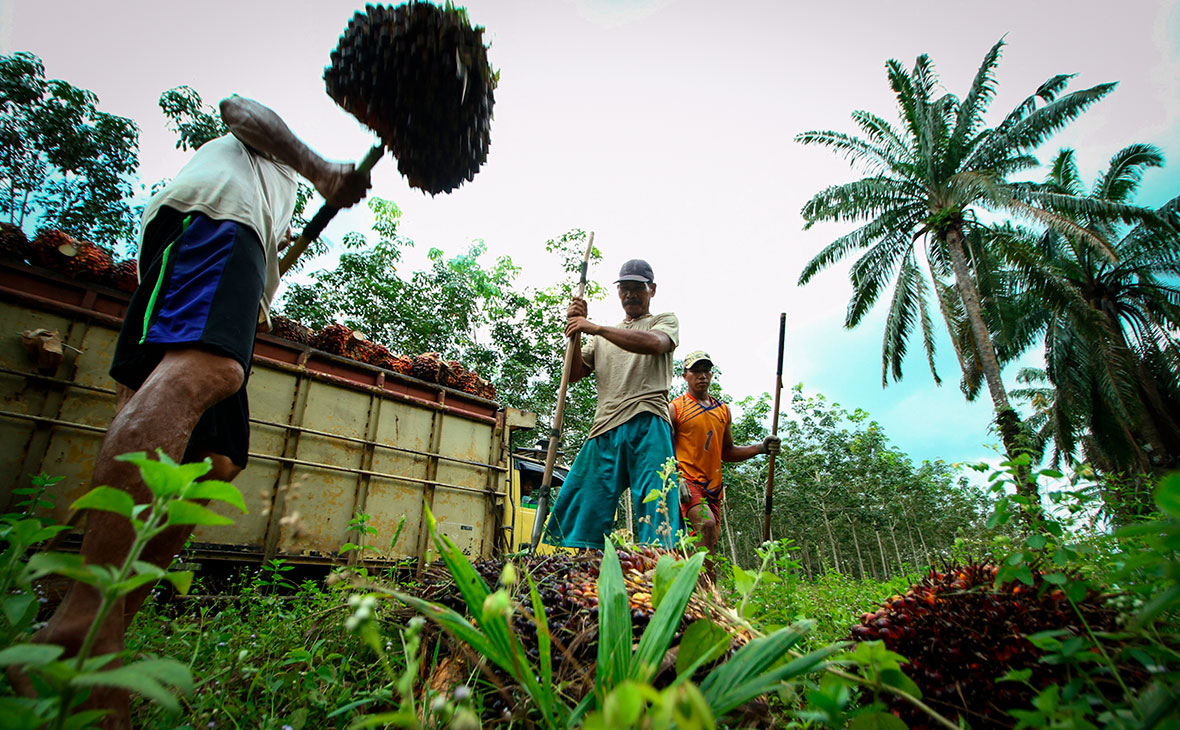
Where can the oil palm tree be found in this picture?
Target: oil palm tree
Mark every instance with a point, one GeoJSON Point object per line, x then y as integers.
{"type": "Point", "coordinates": [926, 182]}
{"type": "Point", "coordinates": [1109, 324]}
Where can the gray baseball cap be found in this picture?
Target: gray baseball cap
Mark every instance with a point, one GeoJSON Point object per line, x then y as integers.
{"type": "Point", "coordinates": [636, 270]}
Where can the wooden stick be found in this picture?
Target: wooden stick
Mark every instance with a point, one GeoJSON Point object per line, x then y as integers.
{"type": "Point", "coordinates": [558, 417]}
{"type": "Point", "coordinates": [320, 220]}
{"type": "Point", "coordinates": [778, 389]}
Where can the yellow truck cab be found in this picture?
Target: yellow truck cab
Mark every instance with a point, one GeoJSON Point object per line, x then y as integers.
{"type": "Point", "coordinates": [527, 470]}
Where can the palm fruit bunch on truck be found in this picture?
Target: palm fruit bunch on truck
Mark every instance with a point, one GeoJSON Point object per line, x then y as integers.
{"type": "Point", "coordinates": [83, 260]}
{"type": "Point", "coordinates": [125, 275]}
{"type": "Point", "coordinates": [429, 366]}
{"type": "Point", "coordinates": [568, 588]}
{"type": "Point", "coordinates": [289, 329]}
{"type": "Point", "coordinates": [14, 244]}
{"type": "Point", "coordinates": [961, 632]}
{"type": "Point", "coordinates": [418, 75]}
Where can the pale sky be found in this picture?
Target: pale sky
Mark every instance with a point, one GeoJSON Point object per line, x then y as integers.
{"type": "Point", "coordinates": [665, 126]}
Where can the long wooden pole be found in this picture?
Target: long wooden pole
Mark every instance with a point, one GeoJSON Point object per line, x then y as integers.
{"type": "Point", "coordinates": [778, 389]}
{"type": "Point", "coordinates": [571, 351]}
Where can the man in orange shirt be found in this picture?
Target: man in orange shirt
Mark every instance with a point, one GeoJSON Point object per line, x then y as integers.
{"type": "Point", "coordinates": [703, 439]}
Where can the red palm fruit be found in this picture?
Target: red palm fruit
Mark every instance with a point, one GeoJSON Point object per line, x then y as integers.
{"type": "Point", "coordinates": [87, 261]}
{"type": "Point", "coordinates": [48, 250]}
{"type": "Point", "coordinates": [125, 275]}
{"type": "Point", "coordinates": [430, 367]}
{"type": "Point", "coordinates": [966, 632]}
{"type": "Point", "coordinates": [332, 339]}
{"type": "Point", "coordinates": [289, 329]}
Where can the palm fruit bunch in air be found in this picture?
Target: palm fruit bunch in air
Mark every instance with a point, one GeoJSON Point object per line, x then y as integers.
{"type": "Point", "coordinates": [429, 366]}
{"type": "Point", "coordinates": [124, 275]}
{"type": "Point", "coordinates": [418, 76]}
{"type": "Point", "coordinates": [960, 633]}
{"type": "Point", "coordinates": [568, 588]}
{"type": "Point", "coordinates": [289, 329]}
{"type": "Point", "coordinates": [13, 242]}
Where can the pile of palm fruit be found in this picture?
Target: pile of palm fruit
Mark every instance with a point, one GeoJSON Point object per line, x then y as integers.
{"type": "Point", "coordinates": [961, 632]}
{"type": "Point", "coordinates": [344, 341]}
{"type": "Point", "coordinates": [568, 587]}
{"type": "Point", "coordinates": [77, 259]}
{"type": "Point", "coordinates": [418, 75]}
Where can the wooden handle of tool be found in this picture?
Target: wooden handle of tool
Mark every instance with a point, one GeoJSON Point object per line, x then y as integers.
{"type": "Point", "coordinates": [571, 352]}
{"type": "Point", "coordinates": [778, 389]}
{"type": "Point", "coordinates": [322, 217]}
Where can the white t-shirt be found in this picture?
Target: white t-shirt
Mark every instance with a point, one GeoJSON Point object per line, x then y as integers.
{"type": "Point", "coordinates": [226, 181]}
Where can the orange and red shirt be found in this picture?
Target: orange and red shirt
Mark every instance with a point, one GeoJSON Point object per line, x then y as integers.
{"type": "Point", "coordinates": [698, 430]}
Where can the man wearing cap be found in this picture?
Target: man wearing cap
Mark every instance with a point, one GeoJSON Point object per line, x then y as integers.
{"type": "Point", "coordinates": [703, 439]}
{"type": "Point", "coordinates": [631, 438]}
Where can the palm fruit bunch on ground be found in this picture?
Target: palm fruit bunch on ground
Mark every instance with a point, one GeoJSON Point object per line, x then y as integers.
{"type": "Point", "coordinates": [961, 633]}
{"type": "Point", "coordinates": [568, 587]}
{"type": "Point", "coordinates": [14, 244]}
{"type": "Point", "coordinates": [418, 76]}
{"type": "Point", "coordinates": [124, 275]}
{"type": "Point", "coordinates": [289, 329]}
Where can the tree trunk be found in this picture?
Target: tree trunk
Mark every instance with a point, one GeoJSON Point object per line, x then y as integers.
{"type": "Point", "coordinates": [1007, 421]}
{"type": "Point", "coordinates": [925, 549]}
{"type": "Point", "coordinates": [860, 561]}
{"type": "Point", "coordinates": [909, 522]}
{"type": "Point", "coordinates": [881, 547]}
{"type": "Point", "coordinates": [896, 549]}
{"type": "Point", "coordinates": [831, 537]}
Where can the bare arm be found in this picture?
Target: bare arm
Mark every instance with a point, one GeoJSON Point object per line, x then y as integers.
{"type": "Point", "coordinates": [258, 127]}
{"type": "Point", "coordinates": [637, 341]}
{"type": "Point", "coordinates": [729, 452]}
{"type": "Point", "coordinates": [577, 310]}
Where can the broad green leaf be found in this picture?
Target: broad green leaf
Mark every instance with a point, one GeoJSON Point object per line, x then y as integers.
{"type": "Point", "coordinates": [743, 581]}
{"type": "Point", "coordinates": [665, 622]}
{"type": "Point", "coordinates": [667, 568]}
{"type": "Point", "coordinates": [35, 655]}
{"type": "Point", "coordinates": [623, 705]}
{"type": "Point", "coordinates": [1167, 495]}
{"type": "Point", "coordinates": [400, 718]}
{"type": "Point", "coordinates": [16, 608]}
{"type": "Point", "coordinates": [544, 643]}
{"type": "Point", "coordinates": [1036, 542]}
{"type": "Point", "coordinates": [68, 564]}
{"type": "Point", "coordinates": [125, 587]}
{"type": "Point", "coordinates": [191, 513]}
{"type": "Point", "coordinates": [1016, 675]}
{"type": "Point", "coordinates": [614, 624]}
{"type": "Point", "coordinates": [164, 477]}
{"type": "Point", "coordinates": [216, 491]}
{"type": "Point", "coordinates": [181, 580]}
{"type": "Point", "coordinates": [877, 720]}
{"type": "Point", "coordinates": [1024, 575]}
{"type": "Point", "coordinates": [703, 642]}
{"type": "Point", "coordinates": [652, 496]}
{"type": "Point", "coordinates": [107, 499]}
{"type": "Point", "coordinates": [897, 679]}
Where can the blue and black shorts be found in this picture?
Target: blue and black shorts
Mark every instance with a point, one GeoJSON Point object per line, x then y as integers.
{"type": "Point", "coordinates": [201, 286]}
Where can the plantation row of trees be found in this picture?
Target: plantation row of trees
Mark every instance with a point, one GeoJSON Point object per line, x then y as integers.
{"type": "Point", "coordinates": [1083, 271]}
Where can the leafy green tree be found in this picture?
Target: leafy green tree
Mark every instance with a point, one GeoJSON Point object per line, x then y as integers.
{"type": "Point", "coordinates": [460, 307]}
{"type": "Point", "coordinates": [848, 499]}
{"type": "Point", "coordinates": [63, 162]}
{"type": "Point", "coordinates": [194, 122]}
{"type": "Point", "coordinates": [927, 181]}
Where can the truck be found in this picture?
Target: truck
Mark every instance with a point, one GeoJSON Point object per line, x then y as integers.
{"type": "Point", "coordinates": [342, 453]}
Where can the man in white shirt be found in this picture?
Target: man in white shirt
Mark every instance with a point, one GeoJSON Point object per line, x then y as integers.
{"type": "Point", "coordinates": [208, 261]}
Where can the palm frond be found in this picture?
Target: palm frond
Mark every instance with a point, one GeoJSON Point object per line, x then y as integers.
{"type": "Point", "coordinates": [864, 198]}
{"type": "Point", "coordinates": [855, 149]}
{"type": "Point", "coordinates": [1122, 177]}
{"type": "Point", "coordinates": [844, 245]}
{"type": "Point", "coordinates": [974, 105]}
{"type": "Point", "coordinates": [904, 309]}
{"type": "Point", "coordinates": [870, 273]}
{"type": "Point", "coordinates": [1063, 173]}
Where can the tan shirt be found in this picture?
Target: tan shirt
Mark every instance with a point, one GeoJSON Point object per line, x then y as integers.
{"type": "Point", "coordinates": [226, 181]}
{"type": "Point", "coordinates": [630, 383]}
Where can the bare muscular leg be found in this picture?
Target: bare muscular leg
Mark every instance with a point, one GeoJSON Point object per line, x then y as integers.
{"type": "Point", "coordinates": [161, 414]}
